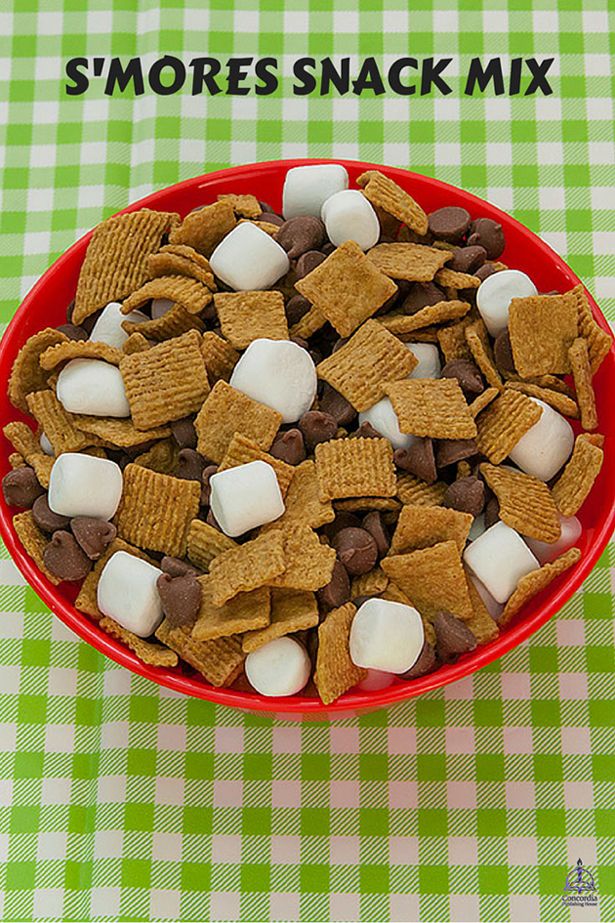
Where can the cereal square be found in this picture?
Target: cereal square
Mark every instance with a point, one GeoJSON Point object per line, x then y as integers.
{"type": "Point", "coordinates": [335, 671]}
{"type": "Point", "coordinates": [180, 260]}
{"type": "Point", "coordinates": [386, 194]}
{"type": "Point", "coordinates": [245, 612]}
{"type": "Point", "coordinates": [228, 411]}
{"type": "Point", "coordinates": [411, 262]}
{"type": "Point", "coordinates": [599, 341]}
{"type": "Point", "coordinates": [146, 651]}
{"type": "Point", "coordinates": [482, 625]}
{"type": "Point", "coordinates": [204, 229]}
{"type": "Point", "coordinates": [220, 660]}
{"type": "Point", "coordinates": [27, 374]}
{"type": "Point", "coordinates": [401, 324]}
{"type": "Point", "coordinates": [561, 402]}
{"type": "Point", "coordinates": [220, 357]}
{"type": "Point", "coordinates": [432, 407]}
{"type": "Point", "coordinates": [242, 450]}
{"type": "Point", "coordinates": [542, 328]}
{"type": "Point", "coordinates": [308, 563]}
{"type": "Point", "coordinates": [172, 324]}
{"type": "Point", "coordinates": [205, 543]}
{"type": "Point", "coordinates": [525, 502]}
{"type": "Point", "coordinates": [355, 468]}
{"type": "Point", "coordinates": [248, 316]}
{"type": "Point", "coordinates": [303, 503]}
{"type": "Point", "coordinates": [536, 581]}
{"type": "Point", "coordinates": [415, 492]}
{"type": "Point", "coordinates": [433, 578]}
{"type": "Point", "coordinates": [190, 294]}
{"type": "Point", "coordinates": [577, 479]}
{"type": "Point", "coordinates": [57, 424]}
{"type": "Point", "coordinates": [291, 610]}
{"type": "Point", "coordinates": [478, 342]}
{"type": "Point", "coordinates": [452, 341]}
{"type": "Point", "coordinates": [450, 278]}
{"type": "Point", "coordinates": [247, 567]}
{"type": "Point", "coordinates": [33, 540]}
{"type": "Point", "coordinates": [423, 526]}
{"type": "Point", "coordinates": [502, 424]}
{"type": "Point", "coordinates": [582, 374]}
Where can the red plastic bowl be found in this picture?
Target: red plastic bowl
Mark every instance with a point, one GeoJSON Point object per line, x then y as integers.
{"type": "Point", "coordinates": [45, 305]}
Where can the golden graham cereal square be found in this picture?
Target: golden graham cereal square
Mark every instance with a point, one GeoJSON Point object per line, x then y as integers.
{"type": "Point", "coordinates": [79, 349]}
{"type": "Point", "coordinates": [190, 294]}
{"type": "Point", "coordinates": [172, 324]}
{"type": "Point", "coordinates": [220, 357]}
{"type": "Point", "coordinates": [302, 501]}
{"type": "Point", "coordinates": [247, 567]}
{"type": "Point", "coordinates": [577, 479]}
{"type": "Point", "coordinates": [502, 424]}
{"type": "Point", "coordinates": [58, 425]}
{"type": "Point", "coordinates": [482, 625]}
{"type": "Point", "coordinates": [423, 526]}
{"type": "Point", "coordinates": [307, 325]}
{"type": "Point", "coordinates": [245, 612]}
{"type": "Point", "coordinates": [180, 260]}
{"type": "Point", "coordinates": [478, 342]}
{"type": "Point", "coordinates": [220, 660]}
{"type": "Point", "coordinates": [450, 278]}
{"type": "Point", "coordinates": [242, 450]}
{"type": "Point", "coordinates": [248, 316]}
{"type": "Point", "coordinates": [373, 583]}
{"type": "Point", "coordinates": [33, 540]}
{"type": "Point", "coordinates": [401, 324]}
{"type": "Point", "coordinates": [411, 262]}
{"type": "Point", "coordinates": [432, 407]}
{"type": "Point", "coordinates": [228, 411]}
{"type": "Point", "coordinates": [483, 400]}
{"type": "Point", "coordinates": [452, 340]}
{"type": "Point", "coordinates": [246, 206]}
{"type": "Point", "coordinates": [556, 399]}
{"type": "Point", "coordinates": [599, 341]}
{"type": "Point", "coordinates": [308, 563]}
{"type": "Point", "coordinates": [204, 229]}
{"type": "Point", "coordinates": [541, 329]}
{"type": "Point", "coordinates": [582, 374]}
{"type": "Point", "coordinates": [335, 671]}
{"type": "Point", "coordinates": [386, 194]}
{"type": "Point", "coordinates": [355, 468]}
{"type": "Point", "coordinates": [525, 502]}
{"type": "Point", "coordinates": [163, 456]}
{"type": "Point", "coordinates": [415, 492]}
{"type": "Point", "coordinates": [116, 432]}
{"type": "Point", "coordinates": [145, 651]}
{"type": "Point", "coordinates": [291, 610]}
{"type": "Point", "coordinates": [433, 578]}
{"type": "Point", "coordinates": [27, 374]}
{"type": "Point", "coordinates": [205, 543]}
{"type": "Point", "coordinates": [536, 581]}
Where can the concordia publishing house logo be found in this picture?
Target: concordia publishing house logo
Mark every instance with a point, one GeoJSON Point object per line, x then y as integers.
{"type": "Point", "coordinates": [580, 888]}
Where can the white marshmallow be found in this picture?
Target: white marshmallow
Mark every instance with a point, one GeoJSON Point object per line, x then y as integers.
{"type": "Point", "coordinates": [546, 446]}
{"type": "Point", "coordinates": [245, 497]}
{"type": "Point", "coordinates": [386, 636]}
{"type": "Point", "coordinates": [306, 189]}
{"type": "Point", "coordinates": [348, 215]}
{"type": "Point", "coordinates": [278, 373]}
{"type": "Point", "coordinates": [384, 420]}
{"type": "Point", "coordinates": [45, 445]}
{"type": "Point", "coordinates": [248, 259]}
{"type": "Point", "coordinates": [161, 306]}
{"type": "Point", "coordinates": [493, 607]}
{"type": "Point", "coordinates": [281, 667]}
{"type": "Point", "coordinates": [494, 295]}
{"type": "Point", "coordinates": [499, 558]}
{"type": "Point", "coordinates": [429, 360]}
{"type": "Point", "coordinates": [477, 528]}
{"type": "Point", "coordinates": [127, 592]}
{"type": "Point", "coordinates": [94, 387]}
{"type": "Point", "coordinates": [83, 485]}
{"type": "Point", "coordinates": [376, 680]}
{"type": "Point", "coordinates": [571, 529]}
{"type": "Point", "coordinates": [108, 328]}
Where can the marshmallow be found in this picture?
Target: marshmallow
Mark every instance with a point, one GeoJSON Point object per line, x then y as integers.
{"type": "Point", "coordinates": [245, 497]}
{"type": "Point", "coordinates": [161, 306]}
{"type": "Point", "coordinates": [281, 667]}
{"type": "Point", "coordinates": [94, 387]}
{"type": "Point", "coordinates": [248, 259]}
{"type": "Point", "coordinates": [306, 189]}
{"type": "Point", "coordinates": [384, 420]}
{"type": "Point", "coordinates": [429, 360]}
{"type": "Point", "coordinates": [493, 607]}
{"type": "Point", "coordinates": [571, 529]}
{"type": "Point", "coordinates": [499, 558]}
{"type": "Point", "coordinates": [278, 373]}
{"type": "Point", "coordinates": [477, 528]}
{"type": "Point", "coordinates": [83, 485]}
{"type": "Point", "coordinates": [108, 328]}
{"type": "Point", "coordinates": [128, 594]}
{"type": "Point", "coordinates": [494, 295]}
{"type": "Point", "coordinates": [546, 446]}
{"type": "Point", "coordinates": [376, 680]}
{"type": "Point", "coordinates": [386, 636]}
{"type": "Point", "coordinates": [348, 215]}
{"type": "Point", "coordinates": [45, 445]}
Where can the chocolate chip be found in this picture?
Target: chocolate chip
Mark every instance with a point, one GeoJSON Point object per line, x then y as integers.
{"type": "Point", "coordinates": [70, 311]}
{"type": "Point", "coordinates": [492, 512]}
{"type": "Point", "coordinates": [289, 447]}
{"type": "Point", "coordinates": [65, 558]}
{"type": "Point", "coordinates": [209, 312]}
{"type": "Point", "coordinates": [93, 535]}
{"type": "Point", "coordinates": [300, 341]}
{"type": "Point", "coordinates": [266, 207]}
{"type": "Point", "coordinates": [343, 520]}
{"type": "Point", "coordinates": [449, 223]}
{"type": "Point", "coordinates": [89, 322]}
{"type": "Point", "coordinates": [418, 459]}
{"type": "Point", "coordinates": [296, 307]}
{"type": "Point", "coordinates": [426, 662]}
{"type": "Point", "coordinates": [317, 427]}
{"type": "Point", "coordinates": [484, 271]}
{"type": "Point", "coordinates": [453, 637]}
{"type": "Point", "coordinates": [212, 521]}
{"type": "Point", "coordinates": [467, 259]}
{"type": "Point", "coordinates": [337, 591]}
{"type": "Point", "coordinates": [271, 218]}
{"type": "Point", "coordinates": [73, 332]}
{"type": "Point", "coordinates": [184, 433]}
{"type": "Point", "coordinates": [190, 465]}
{"type": "Point", "coordinates": [356, 549]}
{"type": "Point", "coordinates": [334, 403]}
{"type": "Point", "coordinates": [328, 248]}
{"type": "Point", "coordinates": [45, 518]}
{"type": "Point", "coordinates": [298, 235]}
{"type": "Point", "coordinates": [206, 488]}
{"type": "Point", "coordinates": [421, 295]}
{"type": "Point", "coordinates": [358, 601]}
{"type": "Point", "coordinates": [366, 431]}
{"type": "Point", "coordinates": [374, 524]}
{"type": "Point", "coordinates": [487, 233]}
{"type": "Point", "coordinates": [467, 374]}
{"type": "Point", "coordinates": [21, 487]}
{"type": "Point", "coordinates": [466, 495]}
{"type": "Point", "coordinates": [180, 598]}
{"type": "Point", "coordinates": [308, 261]}
{"type": "Point", "coordinates": [502, 350]}
{"type": "Point", "coordinates": [450, 451]}
{"type": "Point", "coordinates": [177, 567]}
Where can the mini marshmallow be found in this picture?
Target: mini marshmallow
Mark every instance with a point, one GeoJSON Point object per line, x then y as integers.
{"type": "Point", "coordinates": [83, 485]}
{"type": "Point", "coordinates": [281, 667]}
{"type": "Point", "coordinates": [386, 636]}
{"type": "Point", "coordinates": [160, 307]}
{"type": "Point", "coordinates": [248, 259]}
{"type": "Point", "coordinates": [376, 680]}
{"type": "Point", "coordinates": [278, 373]}
{"type": "Point", "coordinates": [571, 529]}
{"type": "Point", "coordinates": [493, 607]}
{"type": "Point", "coordinates": [429, 360]}
{"type": "Point", "coordinates": [94, 387]}
{"type": "Point", "coordinates": [348, 215]}
{"type": "Point", "coordinates": [128, 594]}
{"type": "Point", "coordinates": [306, 189]}
{"type": "Point", "coordinates": [245, 497]}
{"type": "Point", "coordinates": [499, 558]}
{"type": "Point", "coordinates": [45, 445]}
{"type": "Point", "coordinates": [108, 328]}
{"type": "Point", "coordinates": [546, 446]}
{"type": "Point", "coordinates": [384, 420]}
{"type": "Point", "coordinates": [494, 295]}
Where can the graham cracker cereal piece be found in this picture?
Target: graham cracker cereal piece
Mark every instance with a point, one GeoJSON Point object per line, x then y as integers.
{"type": "Point", "coordinates": [27, 375]}
{"type": "Point", "coordinates": [422, 335]}
{"type": "Point", "coordinates": [146, 651]}
{"type": "Point", "coordinates": [463, 470]}
{"type": "Point", "coordinates": [352, 504]}
{"type": "Point", "coordinates": [56, 423]}
{"type": "Point", "coordinates": [308, 563]}
{"type": "Point", "coordinates": [525, 502]}
{"type": "Point", "coordinates": [228, 411]}
{"type": "Point", "coordinates": [502, 424]}
{"type": "Point", "coordinates": [242, 450]}
{"type": "Point", "coordinates": [433, 578]}
{"type": "Point", "coordinates": [373, 583]}
{"type": "Point", "coordinates": [43, 464]}
{"type": "Point", "coordinates": [220, 661]}
{"type": "Point", "coordinates": [577, 479]}
{"type": "Point", "coordinates": [246, 206]}
{"type": "Point", "coordinates": [432, 314]}
{"type": "Point", "coordinates": [478, 342]}
{"type": "Point", "coordinates": [335, 671]}
{"type": "Point", "coordinates": [167, 382]}
{"type": "Point", "coordinates": [556, 399]}
{"type": "Point", "coordinates": [87, 597]}
{"type": "Point", "coordinates": [483, 400]}
{"type": "Point", "coordinates": [120, 433]}
{"type": "Point", "coordinates": [541, 329]}
{"type": "Point", "coordinates": [582, 374]}
{"type": "Point", "coordinates": [303, 503]}
{"type": "Point", "coordinates": [26, 443]}
{"type": "Point", "coordinates": [245, 612]}
{"type": "Point", "coordinates": [423, 526]}
{"type": "Point", "coordinates": [550, 382]}
{"type": "Point", "coordinates": [432, 407]}
{"type": "Point", "coordinates": [172, 324]}
{"type": "Point", "coordinates": [355, 468]}
{"type": "Point", "coordinates": [34, 541]}
{"type": "Point", "coordinates": [16, 460]}
{"type": "Point", "coordinates": [346, 288]}
{"type": "Point", "coordinates": [452, 341]}
{"type": "Point", "coordinates": [179, 260]}
{"type": "Point", "coordinates": [254, 564]}
{"type": "Point", "coordinates": [116, 259]}
{"type": "Point", "coordinates": [411, 262]}
{"type": "Point", "coordinates": [204, 229]}
{"type": "Point", "coordinates": [599, 342]}
{"type": "Point", "coordinates": [79, 349]}
{"type": "Point", "coordinates": [291, 610]}
{"type": "Point", "coordinates": [411, 490]}
{"type": "Point", "coordinates": [136, 343]}
{"type": "Point", "coordinates": [307, 325]}
{"type": "Point", "coordinates": [450, 278]}
{"type": "Point", "coordinates": [248, 316]}
{"type": "Point", "coordinates": [267, 226]}
{"type": "Point", "coordinates": [482, 625]}
{"type": "Point", "coordinates": [536, 581]}
{"type": "Point", "coordinates": [188, 293]}
{"type": "Point", "coordinates": [205, 543]}
{"type": "Point", "coordinates": [163, 456]}
{"type": "Point", "coordinates": [156, 510]}
{"type": "Point", "coordinates": [386, 194]}
{"type": "Point", "coordinates": [220, 357]}
{"type": "Point", "coordinates": [371, 357]}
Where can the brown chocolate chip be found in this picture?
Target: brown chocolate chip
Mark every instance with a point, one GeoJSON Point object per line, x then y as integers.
{"type": "Point", "coordinates": [45, 518]}
{"type": "Point", "coordinates": [298, 235]}
{"type": "Point", "coordinates": [467, 374]}
{"type": "Point", "coordinates": [209, 312]}
{"type": "Point", "coordinates": [271, 218]}
{"type": "Point", "coordinates": [93, 535]}
{"type": "Point", "coordinates": [296, 307]}
{"type": "Point", "coordinates": [341, 341]}
{"type": "Point", "coordinates": [289, 447]}
{"type": "Point", "coordinates": [70, 311]}
{"type": "Point", "coordinates": [467, 259]}
{"type": "Point", "coordinates": [184, 433]}
{"type": "Point", "coordinates": [212, 521]}
{"type": "Point", "coordinates": [308, 261]}
{"type": "Point", "coordinates": [492, 512]}
{"type": "Point", "coordinates": [421, 295]}
{"type": "Point", "coordinates": [418, 459]}
{"type": "Point", "coordinates": [453, 637]}
{"type": "Point", "coordinates": [356, 549]}
{"type": "Point", "coordinates": [487, 233]}
{"type": "Point", "coordinates": [426, 662]}
{"type": "Point", "coordinates": [502, 350]}
{"type": "Point", "coordinates": [466, 495]}
{"type": "Point", "coordinates": [333, 403]}
{"type": "Point", "coordinates": [374, 524]}
{"type": "Point", "coordinates": [484, 271]}
{"type": "Point", "coordinates": [21, 487]}
{"type": "Point", "coordinates": [328, 248]}
{"type": "Point", "coordinates": [190, 465]}
{"type": "Point", "coordinates": [300, 341]}
{"type": "Point", "coordinates": [343, 520]}
{"type": "Point", "coordinates": [177, 567]}
{"type": "Point", "coordinates": [450, 451]}
{"type": "Point", "coordinates": [337, 591]}
{"type": "Point", "coordinates": [65, 558]}
{"type": "Point", "coordinates": [73, 332]}
{"type": "Point", "coordinates": [206, 488]}
{"type": "Point", "coordinates": [365, 431]}
{"type": "Point", "coordinates": [180, 598]}
{"type": "Point", "coordinates": [317, 427]}
{"type": "Point", "coordinates": [449, 223]}
{"type": "Point", "coordinates": [358, 601]}
{"type": "Point", "coordinates": [88, 323]}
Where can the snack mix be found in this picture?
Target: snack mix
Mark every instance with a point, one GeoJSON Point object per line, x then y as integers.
{"type": "Point", "coordinates": [306, 452]}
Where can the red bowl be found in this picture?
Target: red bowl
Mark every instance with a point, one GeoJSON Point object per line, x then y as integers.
{"type": "Point", "coordinates": [46, 304]}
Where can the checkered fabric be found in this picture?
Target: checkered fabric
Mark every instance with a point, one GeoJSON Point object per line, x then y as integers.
{"type": "Point", "coordinates": [120, 800]}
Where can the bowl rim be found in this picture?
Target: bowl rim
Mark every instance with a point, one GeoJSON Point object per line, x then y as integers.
{"type": "Point", "coordinates": [293, 706]}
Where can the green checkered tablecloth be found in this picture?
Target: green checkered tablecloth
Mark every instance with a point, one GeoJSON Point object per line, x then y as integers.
{"type": "Point", "coordinates": [120, 800]}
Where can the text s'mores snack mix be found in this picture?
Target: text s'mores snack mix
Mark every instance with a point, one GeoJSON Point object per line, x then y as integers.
{"type": "Point", "coordinates": [308, 452]}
